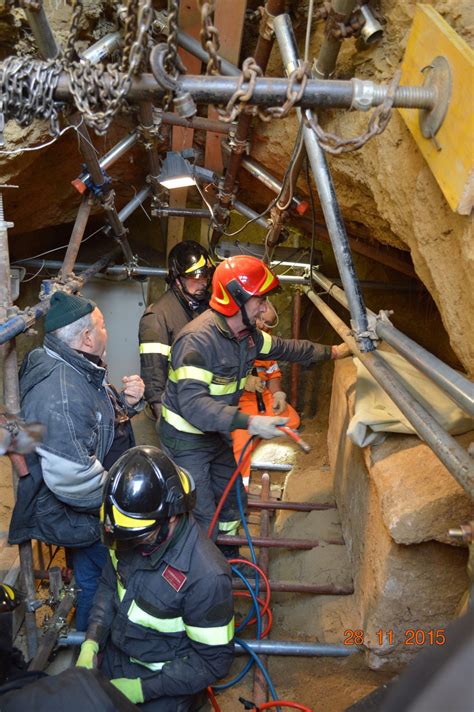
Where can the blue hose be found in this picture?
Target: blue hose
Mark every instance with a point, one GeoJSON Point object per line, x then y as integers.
{"type": "Point", "coordinates": [248, 665]}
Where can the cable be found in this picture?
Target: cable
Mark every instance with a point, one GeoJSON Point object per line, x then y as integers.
{"type": "Point", "coordinates": [35, 275]}
{"type": "Point", "coordinates": [43, 145]}
{"type": "Point", "coordinates": [55, 249]}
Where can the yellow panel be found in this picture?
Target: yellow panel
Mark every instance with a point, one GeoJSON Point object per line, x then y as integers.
{"type": "Point", "coordinates": [452, 166]}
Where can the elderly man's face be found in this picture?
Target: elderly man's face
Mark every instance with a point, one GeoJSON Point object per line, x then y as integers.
{"type": "Point", "coordinates": [97, 336]}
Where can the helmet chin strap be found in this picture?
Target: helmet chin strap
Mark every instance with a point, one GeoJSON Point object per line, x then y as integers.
{"type": "Point", "coordinates": [245, 318]}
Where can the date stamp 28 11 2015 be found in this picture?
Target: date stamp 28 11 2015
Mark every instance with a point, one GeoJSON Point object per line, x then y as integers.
{"type": "Point", "coordinates": [411, 636]}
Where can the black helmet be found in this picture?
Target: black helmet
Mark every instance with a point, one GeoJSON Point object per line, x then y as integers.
{"type": "Point", "coordinates": [143, 489]}
{"type": "Point", "coordinates": [189, 259]}
{"type": "Point", "coordinates": [9, 598]}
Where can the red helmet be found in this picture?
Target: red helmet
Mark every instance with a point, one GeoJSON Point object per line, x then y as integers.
{"type": "Point", "coordinates": [237, 279]}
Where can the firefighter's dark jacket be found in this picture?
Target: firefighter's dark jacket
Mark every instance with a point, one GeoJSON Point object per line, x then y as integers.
{"type": "Point", "coordinates": [208, 370]}
{"type": "Point", "coordinates": [159, 326]}
{"type": "Point", "coordinates": [175, 608]}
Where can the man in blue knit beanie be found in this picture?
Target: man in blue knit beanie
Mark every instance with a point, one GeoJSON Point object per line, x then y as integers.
{"type": "Point", "coordinates": [64, 386]}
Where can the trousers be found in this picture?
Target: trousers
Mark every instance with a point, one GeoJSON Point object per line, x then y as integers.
{"type": "Point", "coordinates": [211, 468]}
{"type": "Point", "coordinates": [88, 563]}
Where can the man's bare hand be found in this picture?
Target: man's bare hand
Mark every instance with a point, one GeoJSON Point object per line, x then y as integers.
{"type": "Point", "coordinates": [133, 389]}
{"type": "Point", "coordinates": [340, 351]}
{"type": "Point", "coordinates": [254, 384]}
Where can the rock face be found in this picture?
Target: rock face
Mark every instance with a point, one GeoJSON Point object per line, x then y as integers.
{"type": "Point", "coordinates": [396, 504]}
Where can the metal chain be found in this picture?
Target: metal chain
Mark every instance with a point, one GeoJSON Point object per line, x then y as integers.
{"type": "Point", "coordinates": [130, 31]}
{"type": "Point", "coordinates": [70, 51]}
{"type": "Point", "coordinates": [173, 61]}
{"type": "Point", "coordinates": [239, 101]}
{"type": "Point", "coordinates": [210, 36]}
{"type": "Point", "coordinates": [27, 89]}
{"type": "Point", "coordinates": [331, 143]}
{"type": "Point", "coordinates": [99, 92]}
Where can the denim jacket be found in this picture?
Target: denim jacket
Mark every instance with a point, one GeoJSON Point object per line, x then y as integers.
{"type": "Point", "coordinates": [69, 394]}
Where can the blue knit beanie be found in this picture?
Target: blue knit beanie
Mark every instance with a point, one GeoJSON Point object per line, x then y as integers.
{"type": "Point", "coordinates": [65, 308]}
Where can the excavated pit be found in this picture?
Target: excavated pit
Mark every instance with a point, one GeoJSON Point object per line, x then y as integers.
{"type": "Point", "coordinates": [405, 572]}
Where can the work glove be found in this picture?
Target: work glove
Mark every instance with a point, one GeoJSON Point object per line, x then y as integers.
{"type": "Point", "coordinates": [254, 384]}
{"type": "Point", "coordinates": [279, 402]}
{"type": "Point", "coordinates": [88, 655]}
{"type": "Point", "coordinates": [340, 351]}
{"type": "Point", "coordinates": [265, 426]}
{"type": "Point", "coordinates": [130, 687]}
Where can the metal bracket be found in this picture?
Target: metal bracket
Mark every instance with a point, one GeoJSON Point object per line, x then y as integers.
{"type": "Point", "coordinates": [437, 76]}
{"type": "Point", "coordinates": [363, 92]}
{"type": "Point", "coordinates": [266, 24]}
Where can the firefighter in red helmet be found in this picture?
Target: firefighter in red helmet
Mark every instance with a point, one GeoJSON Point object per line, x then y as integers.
{"type": "Point", "coordinates": [209, 365]}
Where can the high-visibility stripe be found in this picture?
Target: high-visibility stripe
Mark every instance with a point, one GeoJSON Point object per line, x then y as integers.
{"type": "Point", "coordinates": [267, 343]}
{"type": "Point", "coordinates": [230, 527]}
{"type": "Point", "coordinates": [151, 666]}
{"type": "Point", "coordinates": [162, 625]}
{"type": "Point", "coordinates": [178, 422]}
{"type": "Point", "coordinates": [121, 590]}
{"type": "Point", "coordinates": [193, 372]}
{"type": "Point", "coordinates": [155, 348]}
{"type": "Point", "coordinates": [219, 635]}
{"type": "Point", "coordinates": [128, 522]}
{"type": "Point", "coordinates": [197, 265]}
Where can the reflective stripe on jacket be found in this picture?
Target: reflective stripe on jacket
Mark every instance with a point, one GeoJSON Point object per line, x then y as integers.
{"type": "Point", "coordinates": [159, 326]}
{"type": "Point", "coordinates": [208, 370]}
{"type": "Point", "coordinates": [179, 626]}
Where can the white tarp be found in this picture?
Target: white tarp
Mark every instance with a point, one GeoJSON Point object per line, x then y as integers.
{"type": "Point", "coordinates": [376, 414]}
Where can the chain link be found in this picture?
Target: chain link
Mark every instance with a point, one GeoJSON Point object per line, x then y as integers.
{"type": "Point", "coordinates": [210, 36]}
{"type": "Point", "coordinates": [331, 143]}
{"type": "Point", "coordinates": [27, 88]}
{"type": "Point", "coordinates": [99, 92]}
{"type": "Point", "coordinates": [239, 101]}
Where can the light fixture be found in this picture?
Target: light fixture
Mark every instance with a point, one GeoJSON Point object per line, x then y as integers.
{"type": "Point", "coordinates": [176, 171]}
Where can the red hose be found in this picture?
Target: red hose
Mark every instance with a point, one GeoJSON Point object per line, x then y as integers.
{"type": "Point", "coordinates": [260, 572]}
{"type": "Point", "coordinates": [282, 703]}
{"type": "Point", "coordinates": [228, 486]}
{"type": "Point", "coordinates": [246, 594]}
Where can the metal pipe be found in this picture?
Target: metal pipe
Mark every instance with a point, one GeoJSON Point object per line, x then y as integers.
{"type": "Point", "coordinates": [131, 270]}
{"type": "Point", "coordinates": [21, 322]}
{"type": "Point", "coordinates": [181, 213]}
{"type": "Point", "coordinates": [260, 688]}
{"type": "Point", "coordinates": [446, 448]}
{"type": "Point", "coordinates": [295, 587]}
{"type": "Point", "coordinates": [11, 398]}
{"type": "Point", "coordinates": [41, 29]}
{"type": "Point", "coordinates": [76, 237]}
{"type": "Point", "coordinates": [292, 506]}
{"type": "Point", "coordinates": [327, 196]}
{"type": "Point", "coordinates": [295, 334]}
{"type": "Point", "coordinates": [249, 213]}
{"type": "Point", "coordinates": [326, 62]}
{"type": "Point", "coordinates": [271, 91]}
{"type": "Point", "coordinates": [48, 641]}
{"type": "Point", "coordinates": [258, 171]}
{"type": "Point", "coordinates": [282, 543]}
{"type": "Point", "coordinates": [456, 386]}
{"type": "Point", "coordinates": [134, 203]}
{"type": "Point", "coordinates": [197, 50]}
{"type": "Point", "coordinates": [102, 48]}
{"type": "Point", "coordinates": [197, 122]}
{"type": "Point", "coordinates": [145, 112]}
{"type": "Point", "coordinates": [272, 466]}
{"type": "Point", "coordinates": [120, 148]}
{"type": "Point", "coordinates": [270, 647]}
{"type": "Point", "coordinates": [261, 55]}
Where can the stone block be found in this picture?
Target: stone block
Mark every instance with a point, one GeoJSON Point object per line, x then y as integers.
{"type": "Point", "coordinates": [397, 587]}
